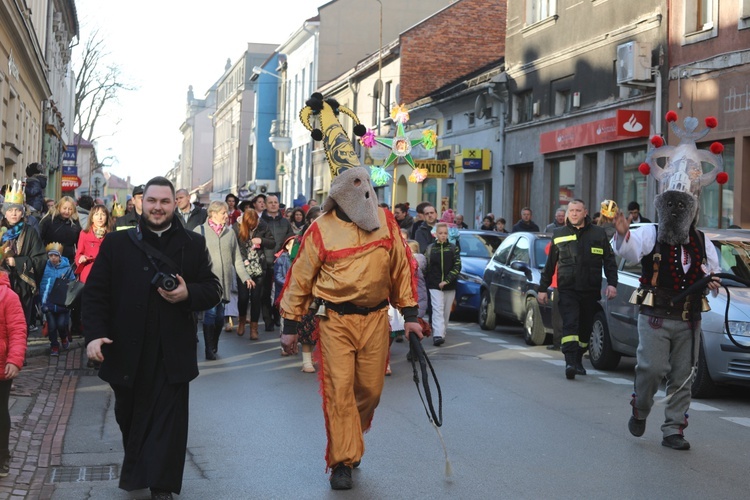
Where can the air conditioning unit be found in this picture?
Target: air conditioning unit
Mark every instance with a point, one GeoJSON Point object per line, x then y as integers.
{"type": "Point", "coordinates": [633, 62]}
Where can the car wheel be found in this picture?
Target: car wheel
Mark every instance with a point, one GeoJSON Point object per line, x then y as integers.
{"type": "Point", "coordinates": [486, 314]}
{"type": "Point", "coordinates": [601, 354]}
{"type": "Point", "coordinates": [703, 385]}
{"type": "Point", "coordinates": [533, 327]}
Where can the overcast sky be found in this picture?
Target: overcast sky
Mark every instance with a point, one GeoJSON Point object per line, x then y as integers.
{"type": "Point", "coordinates": [164, 46]}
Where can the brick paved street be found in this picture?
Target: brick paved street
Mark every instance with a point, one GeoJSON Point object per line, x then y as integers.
{"type": "Point", "coordinates": [40, 405]}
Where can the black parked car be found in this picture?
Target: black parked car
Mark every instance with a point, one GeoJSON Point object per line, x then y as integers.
{"type": "Point", "coordinates": [510, 285]}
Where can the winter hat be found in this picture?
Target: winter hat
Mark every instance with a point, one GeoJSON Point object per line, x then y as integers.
{"type": "Point", "coordinates": [54, 248]}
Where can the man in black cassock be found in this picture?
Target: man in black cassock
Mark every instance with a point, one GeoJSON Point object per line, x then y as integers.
{"type": "Point", "coordinates": [145, 336]}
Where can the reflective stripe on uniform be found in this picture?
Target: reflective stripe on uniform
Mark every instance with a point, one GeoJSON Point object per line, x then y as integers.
{"type": "Point", "coordinates": [563, 239]}
{"type": "Point", "coordinates": [569, 338]}
{"type": "Point", "coordinates": [582, 345]}
{"type": "Point", "coordinates": [598, 251]}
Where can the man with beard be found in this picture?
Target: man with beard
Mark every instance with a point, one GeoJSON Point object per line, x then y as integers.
{"type": "Point", "coordinates": [142, 331]}
{"type": "Point", "coordinates": [673, 256]}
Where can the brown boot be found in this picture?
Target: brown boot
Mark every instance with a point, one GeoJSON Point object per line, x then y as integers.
{"type": "Point", "coordinates": [254, 330]}
{"type": "Point", "coordinates": [241, 326]}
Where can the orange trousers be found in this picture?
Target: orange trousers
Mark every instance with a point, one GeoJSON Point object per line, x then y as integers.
{"type": "Point", "coordinates": [354, 353]}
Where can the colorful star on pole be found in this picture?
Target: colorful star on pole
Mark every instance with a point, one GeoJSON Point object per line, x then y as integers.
{"type": "Point", "coordinates": [400, 146]}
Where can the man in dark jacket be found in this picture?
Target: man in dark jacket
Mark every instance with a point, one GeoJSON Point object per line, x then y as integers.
{"type": "Point", "coordinates": [423, 234]}
{"type": "Point", "coordinates": [188, 214]}
{"type": "Point", "coordinates": [579, 250]}
{"type": "Point", "coordinates": [281, 229]}
{"type": "Point", "coordinates": [131, 217]}
{"type": "Point", "coordinates": [36, 183]}
{"type": "Point", "coordinates": [144, 336]}
{"type": "Point", "coordinates": [525, 224]}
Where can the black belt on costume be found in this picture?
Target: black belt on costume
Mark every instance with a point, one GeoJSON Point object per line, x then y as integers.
{"type": "Point", "coordinates": [351, 308]}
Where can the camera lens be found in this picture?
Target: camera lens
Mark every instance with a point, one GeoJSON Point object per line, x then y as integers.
{"type": "Point", "coordinates": [169, 284]}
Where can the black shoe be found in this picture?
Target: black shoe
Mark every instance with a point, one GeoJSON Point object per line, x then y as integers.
{"type": "Point", "coordinates": [637, 426]}
{"type": "Point", "coordinates": [269, 327]}
{"type": "Point", "coordinates": [5, 466]}
{"type": "Point", "coordinates": [553, 347]}
{"type": "Point", "coordinates": [438, 341]}
{"type": "Point", "coordinates": [580, 370]}
{"type": "Point", "coordinates": [341, 479]}
{"type": "Point", "coordinates": [676, 442]}
{"type": "Point", "coordinates": [161, 494]}
{"type": "Point", "coordinates": [570, 372]}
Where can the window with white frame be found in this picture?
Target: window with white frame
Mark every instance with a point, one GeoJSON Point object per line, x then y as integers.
{"type": "Point", "coordinates": [701, 20]}
{"type": "Point", "coordinates": [539, 10]}
{"type": "Point", "coordinates": [744, 20]}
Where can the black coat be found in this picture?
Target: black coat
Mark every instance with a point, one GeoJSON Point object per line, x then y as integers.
{"type": "Point", "coordinates": [60, 230]}
{"type": "Point", "coordinates": [118, 297]}
{"type": "Point", "coordinates": [197, 217]}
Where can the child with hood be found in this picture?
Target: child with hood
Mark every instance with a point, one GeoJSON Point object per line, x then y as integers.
{"type": "Point", "coordinates": [57, 316]}
{"type": "Point", "coordinates": [36, 183]}
{"type": "Point", "coordinates": [12, 353]}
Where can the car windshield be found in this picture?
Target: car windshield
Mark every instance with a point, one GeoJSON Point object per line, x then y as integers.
{"type": "Point", "coordinates": [734, 257]}
{"type": "Point", "coordinates": [540, 251]}
{"type": "Point", "coordinates": [479, 245]}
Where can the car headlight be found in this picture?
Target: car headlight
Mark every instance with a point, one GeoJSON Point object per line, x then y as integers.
{"type": "Point", "coordinates": [739, 328]}
{"type": "Point", "coordinates": [470, 277]}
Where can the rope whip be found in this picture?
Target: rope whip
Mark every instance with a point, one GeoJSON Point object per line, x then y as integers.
{"type": "Point", "coordinates": [436, 418]}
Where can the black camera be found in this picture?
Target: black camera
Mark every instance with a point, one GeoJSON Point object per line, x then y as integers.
{"type": "Point", "coordinates": [166, 281]}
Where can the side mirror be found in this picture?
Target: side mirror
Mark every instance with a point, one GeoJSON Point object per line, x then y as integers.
{"type": "Point", "coordinates": [521, 266]}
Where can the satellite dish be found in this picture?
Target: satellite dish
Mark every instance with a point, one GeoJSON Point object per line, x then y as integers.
{"type": "Point", "coordinates": [480, 105]}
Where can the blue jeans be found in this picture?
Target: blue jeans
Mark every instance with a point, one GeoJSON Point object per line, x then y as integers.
{"type": "Point", "coordinates": [57, 326]}
{"type": "Point", "coordinates": [215, 315]}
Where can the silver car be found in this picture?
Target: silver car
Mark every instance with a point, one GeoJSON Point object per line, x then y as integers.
{"type": "Point", "coordinates": [615, 331]}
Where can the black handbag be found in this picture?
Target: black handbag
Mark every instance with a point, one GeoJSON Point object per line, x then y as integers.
{"type": "Point", "coordinates": [65, 290]}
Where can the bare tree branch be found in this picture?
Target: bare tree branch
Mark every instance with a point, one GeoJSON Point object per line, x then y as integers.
{"type": "Point", "coordinates": [98, 85]}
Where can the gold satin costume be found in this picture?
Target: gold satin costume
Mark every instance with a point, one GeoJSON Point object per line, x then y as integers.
{"type": "Point", "coordinates": [339, 262]}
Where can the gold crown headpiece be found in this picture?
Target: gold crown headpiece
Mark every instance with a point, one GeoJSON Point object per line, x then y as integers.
{"type": "Point", "coordinates": [54, 247]}
{"type": "Point", "coordinates": [117, 210]}
{"type": "Point", "coordinates": [14, 194]}
{"type": "Point", "coordinates": [609, 208]}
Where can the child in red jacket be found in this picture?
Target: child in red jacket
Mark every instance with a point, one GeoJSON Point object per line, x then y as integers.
{"type": "Point", "coordinates": [12, 353]}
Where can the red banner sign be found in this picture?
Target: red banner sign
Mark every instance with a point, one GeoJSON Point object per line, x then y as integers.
{"type": "Point", "coordinates": [596, 132]}
{"type": "Point", "coordinates": [70, 182]}
{"type": "Point", "coordinates": [633, 123]}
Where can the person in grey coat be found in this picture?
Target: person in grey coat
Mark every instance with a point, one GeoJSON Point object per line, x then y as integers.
{"type": "Point", "coordinates": [226, 260]}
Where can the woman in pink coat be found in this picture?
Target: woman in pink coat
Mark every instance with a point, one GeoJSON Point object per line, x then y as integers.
{"type": "Point", "coordinates": [12, 353]}
{"type": "Point", "coordinates": [90, 239]}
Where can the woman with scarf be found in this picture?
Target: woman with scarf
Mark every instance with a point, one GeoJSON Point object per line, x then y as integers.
{"type": "Point", "coordinates": [298, 221]}
{"type": "Point", "coordinates": [24, 253]}
{"type": "Point", "coordinates": [90, 239]}
{"type": "Point", "coordinates": [225, 261]}
{"type": "Point", "coordinates": [253, 235]}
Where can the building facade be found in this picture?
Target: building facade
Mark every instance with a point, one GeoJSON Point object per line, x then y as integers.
{"type": "Point", "coordinates": [195, 168]}
{"type": "Point", "coordinates": [709, 73]}
{"type": "Point", "coordinates": [585, 98]}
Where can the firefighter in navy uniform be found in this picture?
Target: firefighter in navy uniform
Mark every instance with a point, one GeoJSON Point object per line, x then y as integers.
{"type": "Point", "coordinates": [580, 250]}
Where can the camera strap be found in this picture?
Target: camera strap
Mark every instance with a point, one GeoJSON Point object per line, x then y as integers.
{"type": "Point", "coordinates": [151, 252]}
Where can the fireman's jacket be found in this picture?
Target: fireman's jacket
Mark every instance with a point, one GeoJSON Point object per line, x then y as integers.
{"type": "Point", "coordinates": [579, 255]}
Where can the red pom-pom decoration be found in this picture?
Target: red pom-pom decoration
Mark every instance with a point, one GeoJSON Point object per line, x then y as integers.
{"type": "Point", "coordinates": [657, 141]}
{"type": "Point", "coordinates": [722, 177]}
{"type": "Point", "coordinates": [711, 122]}
{"type": "Point", "coordinates": [644, 168]}
{"type": "Point", "coordinates": [671, 116]}
{"type": "Point", "coordinates": [717, 148]}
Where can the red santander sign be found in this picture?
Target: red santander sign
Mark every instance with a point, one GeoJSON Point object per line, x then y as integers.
{"type": "Point", "coordinates": [70, 182]}
{"type": "Point", "coordinates": [626, 125]}
{"type": "Point", "coordinates": [633, 123]}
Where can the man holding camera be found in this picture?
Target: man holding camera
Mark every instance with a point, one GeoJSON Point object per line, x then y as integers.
{"type": "Point", "coordinates": [144, 335]}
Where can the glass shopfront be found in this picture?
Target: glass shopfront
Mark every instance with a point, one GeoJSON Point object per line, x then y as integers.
{"type": "Point", "coordinates": [717, 201]}
{"type": "Point", "coordinates": [563, 184]}
{"type": "Point", "coordinates": [630, 183]}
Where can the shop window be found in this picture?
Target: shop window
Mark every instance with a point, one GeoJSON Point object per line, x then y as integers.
{"type": "Point", "coordinates": [429, 191]}
{"type": "Point", "coordinates": [563, 184]}
{"type": "Point", "coordinates": [701, 20]}
{"type": "Point", "coordinates": [630, 183]}
{"type": "Point", "coordinates": [717, 201]}
{"type": "Point", "coordinates": [471, 118]}
{"type": "Point", "coordinates": [563, 102]}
